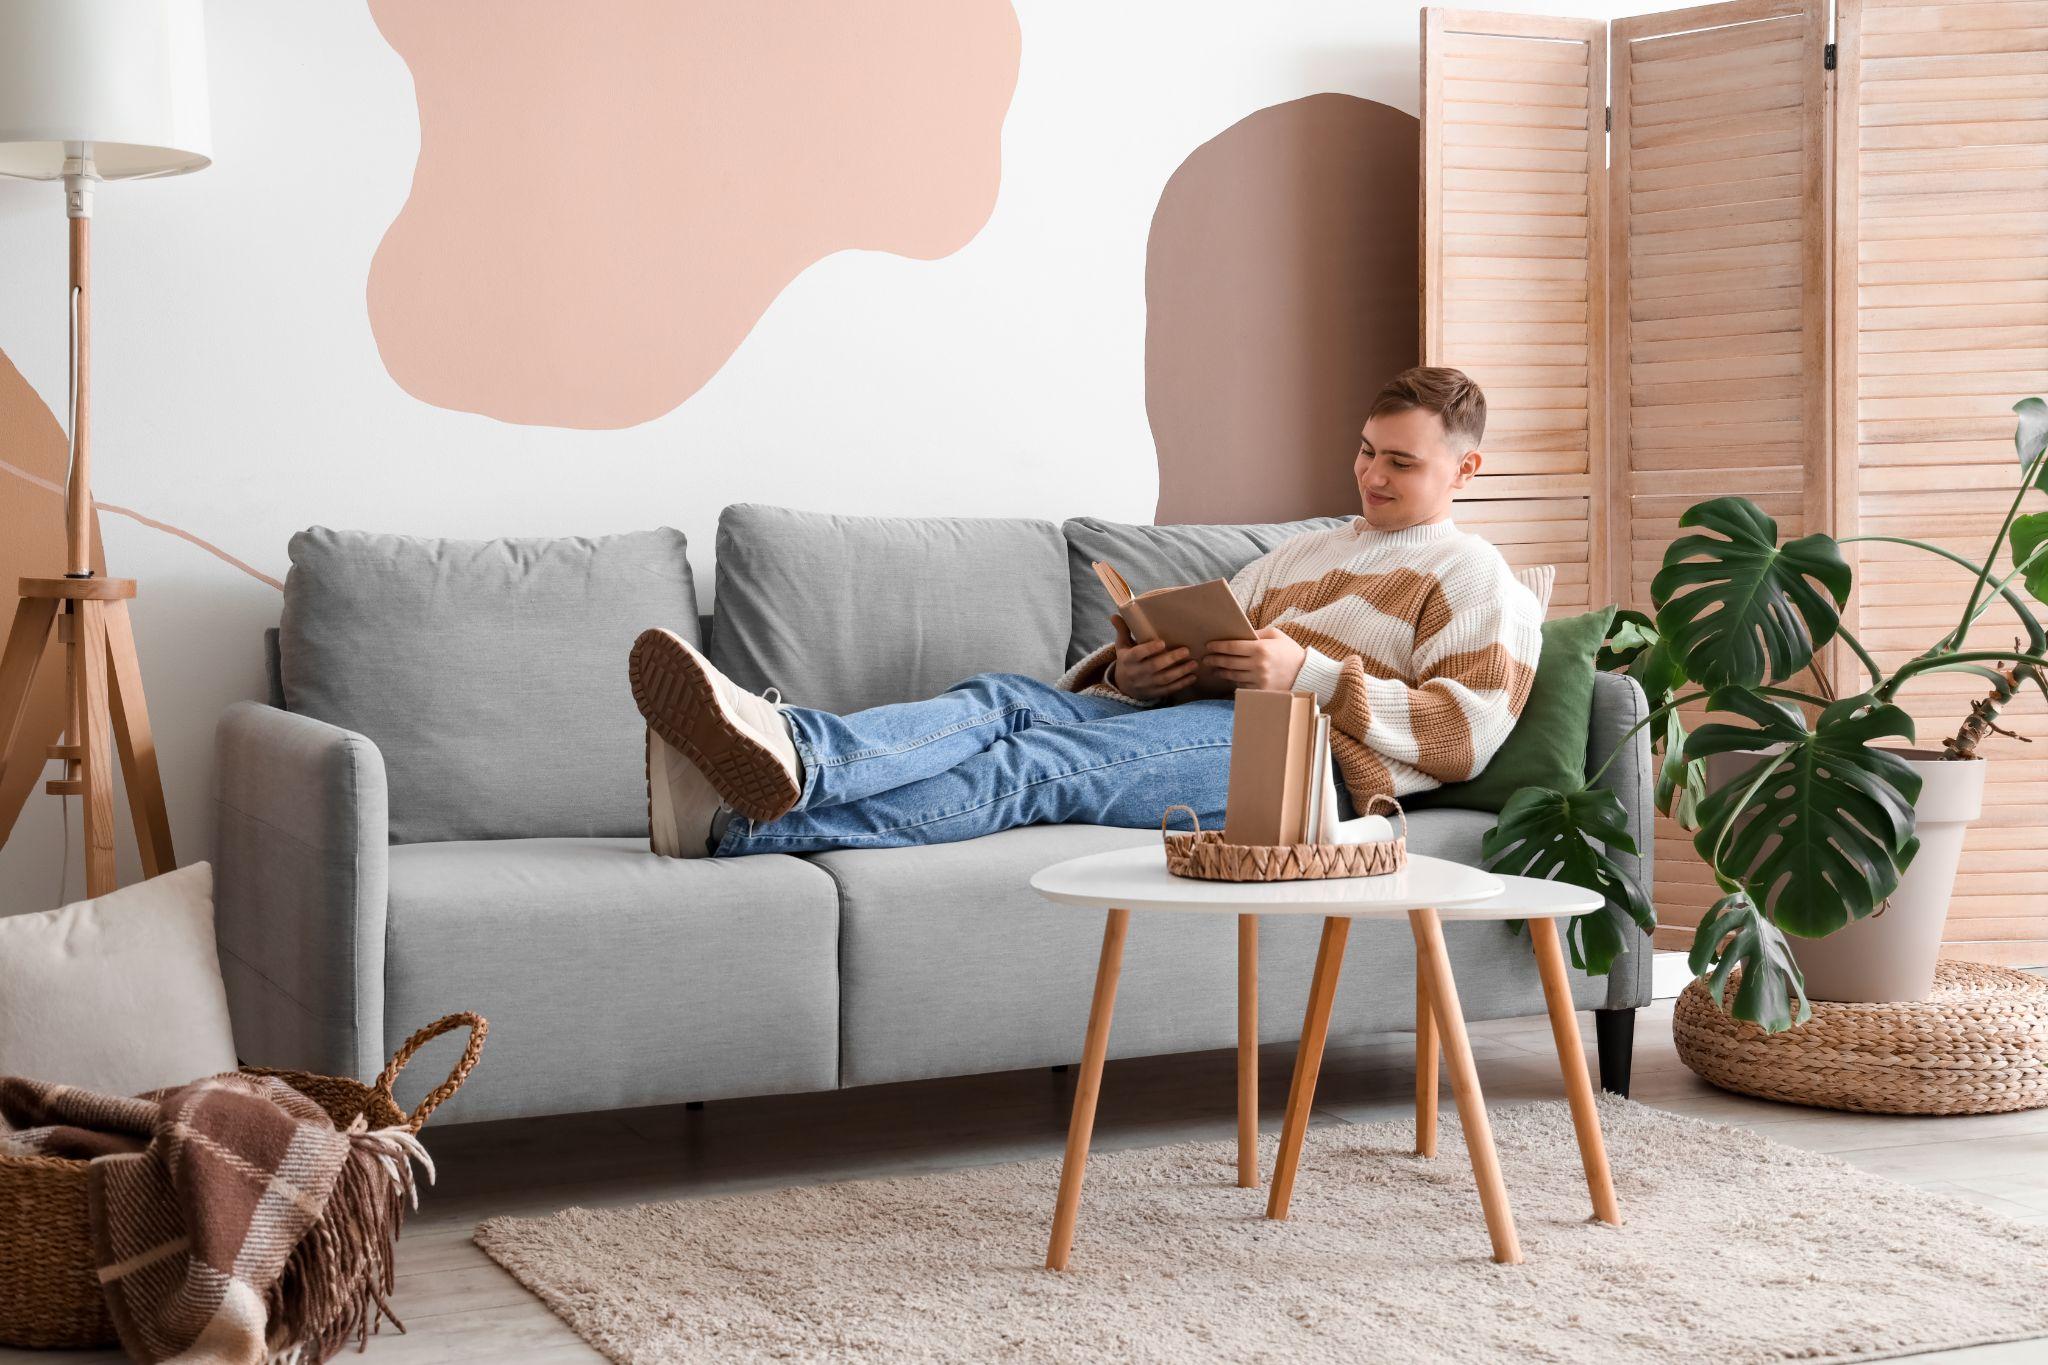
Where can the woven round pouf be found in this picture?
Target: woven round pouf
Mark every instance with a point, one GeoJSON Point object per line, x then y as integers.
{"type": "Point", "coordinates": [1977, 1045]}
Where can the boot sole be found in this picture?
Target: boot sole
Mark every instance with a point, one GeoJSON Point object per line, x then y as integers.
{"type": "Point", "coordinates": [680, 703]}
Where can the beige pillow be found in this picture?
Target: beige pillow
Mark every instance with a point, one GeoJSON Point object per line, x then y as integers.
{"type": "Point", "coordinates": [120, 994]}
{"type": "Point", "coordinates": [1540, 579]}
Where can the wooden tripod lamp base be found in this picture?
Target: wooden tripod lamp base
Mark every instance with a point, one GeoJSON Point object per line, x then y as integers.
{"type": "Point", "coordinates": [104, 691]}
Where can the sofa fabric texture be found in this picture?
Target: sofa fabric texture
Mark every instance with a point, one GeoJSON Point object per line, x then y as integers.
{"type": "Point", "coordinates": [611, 977]}
{"type": "Point", "coordinates": [842, 613]}
{"type": "Point", "coordinates": [489, 673]}
{"type": "Point", "coordinates": [301, 862]}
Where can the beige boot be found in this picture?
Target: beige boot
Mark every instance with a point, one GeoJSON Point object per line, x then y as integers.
{"type": "Point", "coordinates": [738, 741]}
{"type": "Point", "coordinates": [681, 806]}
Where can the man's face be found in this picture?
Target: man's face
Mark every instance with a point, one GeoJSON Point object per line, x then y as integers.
{"type": "Point", "coordinates": [1407, 471]}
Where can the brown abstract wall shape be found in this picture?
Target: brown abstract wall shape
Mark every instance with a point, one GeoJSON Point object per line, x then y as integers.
{"type": "Point", "coordinates": [610, 194]}
{"type": "Point", "coordinates": [34, 455]}
{"type": "Point", "coordinates": [1280, 294]}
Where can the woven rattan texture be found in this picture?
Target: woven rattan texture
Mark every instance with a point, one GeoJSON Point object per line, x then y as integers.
{"type": "Point", "coordinates": [1977, 1045]}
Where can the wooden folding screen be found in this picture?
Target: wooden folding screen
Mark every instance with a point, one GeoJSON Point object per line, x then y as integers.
{"type": "Point", "coordinates": [1816, 284]}
{"type": "Point", "coordinates": [1941, 289]}
{"type": "Point", "coordinates": [1718, 315]}
{"type": "Point", "coordinates": [1514, 172]}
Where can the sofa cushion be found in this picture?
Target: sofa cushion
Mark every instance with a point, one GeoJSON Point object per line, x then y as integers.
{"type": "Point", "coordinates": [491, 674]}
{"type": "Point", "coordinates": [612, 977]}
{"type": "Point", "coordinates": [950, 964]}
{"type": "Point", "coordinates": [1157, 557]}
{"type": "Point", "coordinates": [844, 613]}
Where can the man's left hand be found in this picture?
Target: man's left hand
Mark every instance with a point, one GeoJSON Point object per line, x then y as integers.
{"type": "Point", "coordinates": [1272, 662]}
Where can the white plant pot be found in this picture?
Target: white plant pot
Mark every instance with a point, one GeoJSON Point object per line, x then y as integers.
{"type": "Point", "coordinates": [1890, 956]}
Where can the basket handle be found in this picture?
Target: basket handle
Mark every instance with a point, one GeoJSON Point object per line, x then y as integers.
{"type": "Point", "coordinates": [1168, 815]}
{"type": "Point", "coordinates": [1372, 804]}
{"type": "Point", "coordinates": [478, 1028]}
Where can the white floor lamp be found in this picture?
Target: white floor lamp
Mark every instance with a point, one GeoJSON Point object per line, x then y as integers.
{"type": "Point", "coordinates": [93, 90]}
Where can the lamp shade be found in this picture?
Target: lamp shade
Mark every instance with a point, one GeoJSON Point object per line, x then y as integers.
{"type": "Point", "coordinates": [123, 81]}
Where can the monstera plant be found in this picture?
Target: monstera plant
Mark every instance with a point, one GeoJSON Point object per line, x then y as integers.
{"type": "Point", "coordinates": [1816, 827]}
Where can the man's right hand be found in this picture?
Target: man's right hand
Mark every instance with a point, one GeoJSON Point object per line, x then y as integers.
{"type": "Point", "coordinates": [1149, 671]}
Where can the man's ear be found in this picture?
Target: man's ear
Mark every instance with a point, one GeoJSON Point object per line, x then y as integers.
{"type": "Point", "coordinates": [1468, 467]}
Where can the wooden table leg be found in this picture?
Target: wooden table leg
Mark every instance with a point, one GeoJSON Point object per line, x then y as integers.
{"type": "Point", "coordinates": [1248, 1051]}
{"type": "Point", "coordinates": [1425, 1065]}
{"type": "Point", "coordinates": [1308, 1060]}
{"type": "Point", "coordinates": [1450, 1020]}
{"type": "Point", "coordinates": [1571, 1059]}
{"type": "Point", "coordinates": [1082, 1127]}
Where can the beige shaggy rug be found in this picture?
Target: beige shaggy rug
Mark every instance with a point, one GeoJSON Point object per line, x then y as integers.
{"type": "Point", "coordinates": [1734, 1249]}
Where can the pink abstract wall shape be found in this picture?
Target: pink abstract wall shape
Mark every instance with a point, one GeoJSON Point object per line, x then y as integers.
{"type": "Point", "coordinates": [1280, 293]}
{"type": "Point", "coordinates": [610, 194]}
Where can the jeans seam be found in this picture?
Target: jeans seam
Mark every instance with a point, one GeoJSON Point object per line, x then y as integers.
{"type": "Point", "coordinates": [1015, 791]}
{"type": "Point", "coordinates": [923, 740]}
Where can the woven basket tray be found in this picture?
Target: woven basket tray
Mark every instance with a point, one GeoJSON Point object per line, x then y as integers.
{"type": "Point", "coordinates": [49, 1293]}
{"type": "Point", "coordinates": [1977, 1045]}
{"type": "Point", "coordinates": [1202, 854]}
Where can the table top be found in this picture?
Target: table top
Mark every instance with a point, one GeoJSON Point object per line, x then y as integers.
{"type": "Point", "coordinates": [1137, 879]}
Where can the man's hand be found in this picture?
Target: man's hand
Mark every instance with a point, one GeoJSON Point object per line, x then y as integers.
{"type": "Point", "coordinates": [1149, 671]}
{"type": "Point", "coordinates": [1272, 662]}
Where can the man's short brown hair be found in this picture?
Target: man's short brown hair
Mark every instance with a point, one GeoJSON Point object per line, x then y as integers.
{"type": "Point", "coordinates": [1448, 393]}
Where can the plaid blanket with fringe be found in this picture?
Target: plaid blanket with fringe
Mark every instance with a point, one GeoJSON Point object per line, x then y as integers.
{"type": "Point", "coordinates": [231, 1220]}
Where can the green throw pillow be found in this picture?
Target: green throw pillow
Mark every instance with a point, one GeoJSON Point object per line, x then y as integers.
{"type": "Point", "coordinates": [1547, 747]}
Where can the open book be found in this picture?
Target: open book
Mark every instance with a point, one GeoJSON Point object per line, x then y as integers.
{"type": "Point", "coordinates": [1187, 617]}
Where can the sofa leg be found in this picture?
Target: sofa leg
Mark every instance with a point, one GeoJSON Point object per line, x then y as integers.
{"type": "Point", "coordinates": [1059, 1070]}
{"type": "Point", "coordinates": [1615, 1031]}
{"type": "Point", "coordinates": [693, 1105]}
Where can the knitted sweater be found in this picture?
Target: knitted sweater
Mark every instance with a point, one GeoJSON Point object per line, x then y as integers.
{"type": "Point", "coordinates": [1421, 647]}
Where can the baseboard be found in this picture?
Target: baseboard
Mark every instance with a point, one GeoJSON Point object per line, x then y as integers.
{"type": "Point", "coordinates": [1668, 975]}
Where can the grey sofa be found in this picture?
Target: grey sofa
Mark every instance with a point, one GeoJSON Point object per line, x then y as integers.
{"type": "Point", "coordinates": [443, 808]}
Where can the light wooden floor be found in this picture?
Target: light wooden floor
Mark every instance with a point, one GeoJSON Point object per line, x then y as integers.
{"type": "Point", "coordinates": [459, 1306]}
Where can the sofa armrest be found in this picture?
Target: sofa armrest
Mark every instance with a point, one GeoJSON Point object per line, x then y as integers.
{"type": "Point", "coordinates": [301, 867]}
{"type": "Point", "coordinates": [1618, 703]}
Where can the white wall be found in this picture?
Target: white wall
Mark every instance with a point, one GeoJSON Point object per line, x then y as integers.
{"type": "Point", "coordinates": [240, 395]}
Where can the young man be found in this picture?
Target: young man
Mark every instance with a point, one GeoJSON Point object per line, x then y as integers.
{"type": "Point", "coordinates": [1414, 636]}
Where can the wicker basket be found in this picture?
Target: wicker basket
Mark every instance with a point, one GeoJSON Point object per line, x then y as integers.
{"type": "Point", "coordinates": [1204, 855]}
{"type": "Point", "coordinates": [49, 1293]}
{"type": "Point", "coordinates": [1977, 1045]}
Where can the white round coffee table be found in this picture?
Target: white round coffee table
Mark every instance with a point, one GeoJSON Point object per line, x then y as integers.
{"type": "Point", "coordinates": [1428, 891]}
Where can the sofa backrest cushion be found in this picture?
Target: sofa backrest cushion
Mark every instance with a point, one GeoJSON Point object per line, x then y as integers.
{"type": "Point", "coordinates": [844, 612]}
{"type": "Point", "coordinates": [491, 674]}
{"type": "Point", "coordinates": [1158, 557]}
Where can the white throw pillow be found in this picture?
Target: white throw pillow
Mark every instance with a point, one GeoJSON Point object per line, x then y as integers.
{"type": "Point", "coordinates": [121, 994]}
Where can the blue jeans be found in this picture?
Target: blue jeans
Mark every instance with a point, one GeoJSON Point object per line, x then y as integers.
{"type": "Point", "coordinates": [991, 753]}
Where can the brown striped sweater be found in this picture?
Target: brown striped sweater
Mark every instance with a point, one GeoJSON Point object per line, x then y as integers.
{"type": "Point", "coordinates": [1421, 647]}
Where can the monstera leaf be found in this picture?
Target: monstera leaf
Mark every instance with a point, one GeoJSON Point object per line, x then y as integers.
{"type": "Point", "coordinates": [1736, 934]}
{"type": "Point", "coordinates": [1823, 839]}
{"type": "Point", "coordinates": [1547, 833]}
{"type": "Point", "coordinates": [2030, 438]}
{"type": "Point", "coordinates": [1681, 781]}
{"type": "Point", "coordinates": [2028, 532]}
{"type": "Point", "coordinates": [1627, 637]}
{"type": "Point", "coordinates": [1634, 647]}
{"type": "Point", "coordinates": [1738, 608]}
